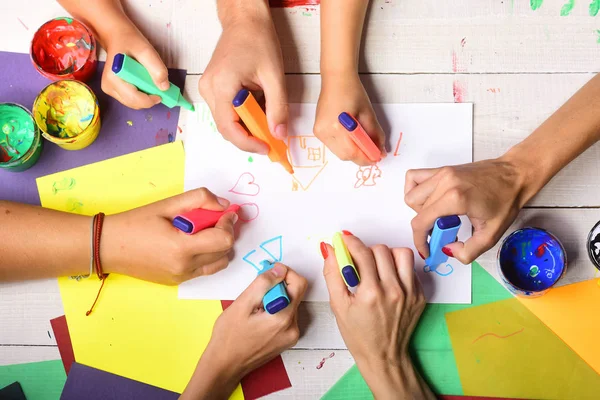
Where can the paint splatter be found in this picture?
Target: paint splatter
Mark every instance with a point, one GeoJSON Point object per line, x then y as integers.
{"type": "Point", "coordinates": [130, 123]}
{"type": "Point", "coordinates": [594, 8]}
{"type": "Point", "coordinates": [63, 185]}
{"type": "Point", "coordinates": [494, 90]}
{"type": "Point", "coordinates": [598, 33]}
{"type": "Point", "coordinates": [458, 92]}
{"type": "Point", "coordinates": [293, 3]}
{"type": "Point", "coordinates": [168, 115]}
{"type": "Point", "coordinates": [26, 28]}
{"type": "Point", "coordinates": [74, 206]}
{"type": "Point", "coordinates": [463, 42]}
{"type": "Point", "coordinates": [179, 128]}
{"type": "Point", "coordinates": [499, 337]}
{"type": "Point", "coordinates": [325, 359]}
{"type": "Point", "coordinates": [49, 334]}
{"type": "Point", "coordinates": [535, 4]}
{"type": "Point", "coordinates": [567, 8]}
{"type": "Point", "coordinates": [534, 271]}
{"type": "Point", "coordinates": [148, 117]}
{"type": "Point", "coordinates": [162, 137]}
{"type": "Point", "coordinates": [152, 184]}
{"type": "Point", "coordinates": [250, 159]}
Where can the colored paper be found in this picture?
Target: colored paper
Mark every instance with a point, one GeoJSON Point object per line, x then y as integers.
{"type": "Point", "coordinates": [63, 340]}
{"type": "Point", "coordinates": [14, 391]}
{"type": "Point", "coordinates": [502, 349]}
{"type": "Point", "coordinates": [288, 216]}
{"type": "Point", "coordinates": [123, 130]}
{"type": "Point", "coordinates": [92, 384]}
{"type": "Point", "coordinates": [571, 312]}
{"type": "Point", "coordinates": [39, 380]}
{"type": "Point", "coordinates": [430, 347]}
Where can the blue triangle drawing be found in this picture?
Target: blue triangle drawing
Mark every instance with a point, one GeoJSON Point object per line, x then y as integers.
{"type": "Point", "coordinates": [274, 248]}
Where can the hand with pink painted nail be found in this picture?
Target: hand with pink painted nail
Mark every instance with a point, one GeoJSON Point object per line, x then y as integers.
{"type": "Point", "coordinates": [245, 336]}
{"type": "Point", "coordinates": [248, 55]}
{"type": "Point", "coordinates": [118, 34]}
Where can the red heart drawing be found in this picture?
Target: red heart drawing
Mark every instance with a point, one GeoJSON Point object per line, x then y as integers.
{"type": "Point", "coordinates": [248, 212]}
{"type": "Point", "coordinates": [245, 185]}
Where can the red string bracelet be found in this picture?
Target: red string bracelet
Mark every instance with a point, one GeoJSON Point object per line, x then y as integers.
{"type": "Point", "coordinates": [97, 227]}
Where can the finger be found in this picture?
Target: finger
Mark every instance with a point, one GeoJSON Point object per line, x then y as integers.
{"type": "Point", "coordinates": [212, 240]}
{"type": "Point", "coordinates": [371, 125]}
{"type": "Point", "coordinates": [253, 295]}
{"type": "Point", "coordinates": [386, 268]}
{"type": "Point", "coordinates": [404, 260]}
{"type": "Point", "coordinates": [276, 104]}
{"type": "Point", "coordinates": [476, 245]}
{"type": "Point", "coordinates": [333, 278]}
{"type": "Point", "coordinates": [228, 125]}
{"type": "Point", "coordinates": [130, 96]}
{"type": "Point", "coordinates": [422, 193]}
{"type": "Point", "coordinates": [363, 260]}
{"type": "Point", "coordinates": [197, 198]}
{"type": "Point", "coordinates": [150, 59]}
{"type": "Point", "coordinates": [211, 268]}
{"type": "Point", "coordinates": [296, 286]}
{"type": "Point", "coordinates": [415, 177]}
{"type": "Point", "coordinates": [449, 204]}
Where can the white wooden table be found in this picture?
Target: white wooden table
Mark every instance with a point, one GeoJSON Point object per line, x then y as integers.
{"type": "Point", "coordinates": [516, 64]}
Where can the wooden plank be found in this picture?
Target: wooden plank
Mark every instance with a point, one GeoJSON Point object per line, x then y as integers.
{"type": "Point", "coordinates": [26, 354]}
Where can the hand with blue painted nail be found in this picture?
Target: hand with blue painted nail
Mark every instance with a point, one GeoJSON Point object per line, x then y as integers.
{"type": "Point", "coordinates": [245, 336]}
{"type": "Point", "coordinates": [377, 321]}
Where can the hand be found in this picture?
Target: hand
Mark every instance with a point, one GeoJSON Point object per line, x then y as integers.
{"type": "Point", "coordinates": [489, 192]}
{"type": "Point", "coordinates": [378, 320]}
{"type": "Point", "coordinates": [245, 336]}
{"type": "Point", "coordinates": [248, 55]}
{"type": "Point", "coordinates": [144, 244]}
{"type": "Point", "coordinates": [130, 41]}
{"type": "Point", "coordinates": [345, 93]}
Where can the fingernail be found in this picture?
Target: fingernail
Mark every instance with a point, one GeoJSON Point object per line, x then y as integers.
{"type": "Point", "coordinates": [421, 255]}
{"type": "Point", "coordinates": [235, 218]}
{"type": "Point", "coordinates": [164, 85]}
{"type": "Point", "coordinates": [278, 270]}
{"type": "Point", "coordinates": [324, 251]}
{"type": "Point", "coordinates": [281, 131]}
{"type": "Point", "coordinates": [347, 233]}
{"type": "Point", "coordinates": [447, 251]}
{"type": "Point", "coordinates": [223, 202]}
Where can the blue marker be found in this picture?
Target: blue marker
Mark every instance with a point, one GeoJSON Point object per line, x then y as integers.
{"type": "Point", "coordinates": [445, 231]}
{"type": "Point", "coordinates": [277, 298]}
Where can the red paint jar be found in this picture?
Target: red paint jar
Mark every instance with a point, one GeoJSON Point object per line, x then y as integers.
{"type": "Point", "coordinates": [64, 48]}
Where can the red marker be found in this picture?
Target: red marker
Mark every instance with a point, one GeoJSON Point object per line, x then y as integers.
{"type": "Point", "coordinates": [199, 219]}
{"type": "Point", "coordinates": [360, 137]}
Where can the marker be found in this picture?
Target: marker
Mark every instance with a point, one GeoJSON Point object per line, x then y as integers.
{"type": "Point", "coordinates": [276, 298]}
{"type": "Point", "coordinates": [445, 231]}
{"type": "Point", "coordinates": [344, 260]}
{"type": "Point", "coordinates": [255, 119]}
{"type": "Point", "coordinates": [196, 220]}
{"type": "Point", "coordinates": [360, 137]}
{"type": "Point", "coordinates": [133, 72]}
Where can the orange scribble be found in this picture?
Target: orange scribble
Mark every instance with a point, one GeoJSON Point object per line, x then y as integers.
{"type": "Point", "coordinates": [366, 176]}
{"type": "Point", "coordinates": [499, 337]}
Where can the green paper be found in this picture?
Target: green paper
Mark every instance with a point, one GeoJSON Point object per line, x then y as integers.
{"type": "Point", "coordinates": [40, 380]}
{"type": "Point", "coordinates": [430, 347]}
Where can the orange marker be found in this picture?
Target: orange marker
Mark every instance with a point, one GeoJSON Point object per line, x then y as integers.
{"type": "Point", "coordinates": [360, 137]}
{"type": "Point", "coordinates": [254, 117]}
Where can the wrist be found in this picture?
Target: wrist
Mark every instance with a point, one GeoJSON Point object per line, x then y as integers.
{"type": "Point", "coordinates": [214, 377]}
{"type": "Point", "coordinates": [390, 379]}
{"type": "Point", "coordinates": [111, 250]}
{"type": "Point", "coordinates": [234, 12]}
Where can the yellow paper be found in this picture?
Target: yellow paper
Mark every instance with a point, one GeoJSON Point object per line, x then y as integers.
{"type": "Point", "coordinates": [571, 312]}
{"type": "Point", "coordinates": [138, 330]}
{"type": "Point", "coordinates": [502, 349]}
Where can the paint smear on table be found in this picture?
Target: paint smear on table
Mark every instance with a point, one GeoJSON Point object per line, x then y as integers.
{"type": "Point", "coordinates": [293, 3]}
{"type": "Point", "coordinates": [567, 8]}
{"type": "Point", "coordinates": [535, 4]}
{"type": "Point", "coordinates": [458, 92]}
{"type": "Point", "coordinates": [322, 362]}
{"type": "Point", "coordinates": [594, 7]}
{"type": "Point", "coordinates": [598, 32]}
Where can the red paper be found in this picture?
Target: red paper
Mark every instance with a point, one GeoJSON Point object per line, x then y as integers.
{"type": "Point", "coordinates": [63, 340]}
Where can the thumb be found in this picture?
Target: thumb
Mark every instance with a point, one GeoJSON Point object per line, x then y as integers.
{"type": "Point", "coordinates": [254, 294]}
{"type": "Point", "coordinates": [197, 198]}
{"type": "Point", "coordinates": [277, 107]}
{"type": "Point", "coordinates": [150, 59]}
{"type": "Point", "coordinates": [468, 251]}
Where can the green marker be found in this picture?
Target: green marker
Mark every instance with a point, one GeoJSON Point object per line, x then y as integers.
{"type": "Point", "coordinates": [133, 72]}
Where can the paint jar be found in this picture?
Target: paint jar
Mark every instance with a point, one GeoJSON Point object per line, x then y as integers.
{"type": "Point", "coordinates": [64, 48]}
{"type": "Point", "coordinates": [531, 261]}
{"type": "Point", "coordinates": [20, 141]}
{"type": "Point", "coordinates": [67, 113]}
{"type": "Point", "coordinates": [593, 245]}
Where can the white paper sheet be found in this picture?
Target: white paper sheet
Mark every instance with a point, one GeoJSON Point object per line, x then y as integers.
{"type": "Point", "coordinates": [292, 215]}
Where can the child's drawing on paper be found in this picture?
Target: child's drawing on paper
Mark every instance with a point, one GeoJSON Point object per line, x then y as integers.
{"type": "Point", "coordinates": [365, 176]}
{"type": "Point", "coordinates": [307, 155]}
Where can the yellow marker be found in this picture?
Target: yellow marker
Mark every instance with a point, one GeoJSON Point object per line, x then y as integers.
{"type": "Point", "coordinates": [344, 260]}
{"type": "Point", "coordinates": [256, 121]}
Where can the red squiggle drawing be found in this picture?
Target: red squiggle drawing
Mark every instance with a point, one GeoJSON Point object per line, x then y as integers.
{"type": "Point", "coordinates": [499, 337]}
{"type": "Point", "coordinates": [245, 185]}
{"type": "Point", "coordinates": [248, 212]}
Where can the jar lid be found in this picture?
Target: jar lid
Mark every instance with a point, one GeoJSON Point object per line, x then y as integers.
{"type": "Point", "coordinates": [593, 245]}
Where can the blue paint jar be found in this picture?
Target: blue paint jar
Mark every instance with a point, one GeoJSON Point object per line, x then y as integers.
{"type": "Point", "coordinates": [531, 261]}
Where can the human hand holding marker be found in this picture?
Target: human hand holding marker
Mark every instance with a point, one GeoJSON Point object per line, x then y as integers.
{"type": "Point", "coordinates": [377, 320]}
{"type": "Point", "coordinates": [245, 336]}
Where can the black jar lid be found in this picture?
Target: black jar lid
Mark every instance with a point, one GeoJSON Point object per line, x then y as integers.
{"type": "Point", "coordinates": [593, 245]}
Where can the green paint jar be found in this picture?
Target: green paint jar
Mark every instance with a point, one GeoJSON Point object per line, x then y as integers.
{"type": "Point", "coordinates": [20, 139]}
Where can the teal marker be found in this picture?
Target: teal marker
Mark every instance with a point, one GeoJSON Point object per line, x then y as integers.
{"type": "Point", "coordinates": [133, 72]}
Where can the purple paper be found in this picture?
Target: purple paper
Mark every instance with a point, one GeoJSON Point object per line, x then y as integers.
{"type": "Point", "coordinates": [89, 383]}
{"type": "Point", "coordinates": [123, 130]}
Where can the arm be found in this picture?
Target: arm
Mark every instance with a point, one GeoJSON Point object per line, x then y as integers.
{"type": "Point", "coordinates": [40, 243]}
{"type": "Point", "coordinates": [245, 336]}
{"type": "Point", "coordinates": [118, 34]}
{"type": "Point", "coordinates": [378, 320]}
{"type": "Point", "coordinates": [492, 192]}
{"type": "Point", "coordinates": [248, 55]}
{"type": "Point", "coordinates": [341, 88]}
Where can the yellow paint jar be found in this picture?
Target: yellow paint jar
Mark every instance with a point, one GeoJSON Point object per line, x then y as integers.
{"type": "Point", "coordinates": [67, 113]}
